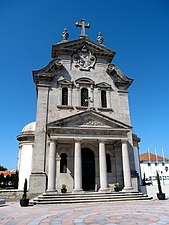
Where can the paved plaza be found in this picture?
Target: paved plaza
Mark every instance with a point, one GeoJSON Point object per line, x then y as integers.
{"type": "Point", "coordinates": [129, 212]}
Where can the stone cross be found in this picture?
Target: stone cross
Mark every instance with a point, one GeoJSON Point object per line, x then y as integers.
{"type": "Point", "coordinates": [83, 26]}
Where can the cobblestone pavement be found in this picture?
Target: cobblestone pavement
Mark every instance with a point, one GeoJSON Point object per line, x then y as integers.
{"type": "Point", "coordinates": [129, 212]}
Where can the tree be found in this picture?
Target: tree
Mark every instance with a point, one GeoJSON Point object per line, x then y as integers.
{"type": "Point", "coordinates": [2, 168]}
{"type": "Point", "coordinates": [1, 179]}
{"type": "Point", "coordinates": [14, 180]}
{"type": "Point", "coordinates": [7, 179]}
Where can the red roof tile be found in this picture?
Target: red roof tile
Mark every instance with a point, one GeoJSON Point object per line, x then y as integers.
{"type": "Point", "coordinates": [5, 173]}
{"type": "Point", "coordinates": [150, 156]}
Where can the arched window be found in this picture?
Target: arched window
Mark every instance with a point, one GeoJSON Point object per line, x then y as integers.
{"type": "Point", "coordinates": [84, 97]}
{"type": "Point", "coordinates": [64, 96]}
{"type": "Point", "coordinates": [63, 163]}
{"type": "Point", "coordinates": [103, 99]}
{"type": "Point", "coordinates": [108, 161]}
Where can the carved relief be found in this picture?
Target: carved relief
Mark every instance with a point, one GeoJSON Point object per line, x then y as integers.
{"type": "Point", "coordinates": [83, 59]}
{"type": "Point", "coordinates": [93, 123]}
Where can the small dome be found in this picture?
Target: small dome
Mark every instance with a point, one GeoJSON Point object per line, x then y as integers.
{"type": "Point", "coordinates": [30, 127]}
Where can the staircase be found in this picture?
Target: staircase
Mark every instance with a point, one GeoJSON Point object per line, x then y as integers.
{"type": "Point", "coordinates": [88, 197]}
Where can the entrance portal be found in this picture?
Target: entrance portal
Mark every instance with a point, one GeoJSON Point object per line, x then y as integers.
{"type": "Point", "coordinates": [88, 169]}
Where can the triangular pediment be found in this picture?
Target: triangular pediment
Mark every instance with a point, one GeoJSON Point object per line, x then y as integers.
{"type": "Point", "coordinates": [103, 85]}
{"type": "Point", "coordinates": [71, 47]}
{"type": "Point", "coordinates": [88, 119]}
{"type": "Point", "coordinates": [65, 82]}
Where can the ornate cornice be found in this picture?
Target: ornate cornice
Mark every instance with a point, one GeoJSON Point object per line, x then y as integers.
{"type": "Point", "coordinates": [121, 81]}
{"type": "Point", "coordinates": [47, 73]}
{"type": "Point", "coordinates": [71, 47]}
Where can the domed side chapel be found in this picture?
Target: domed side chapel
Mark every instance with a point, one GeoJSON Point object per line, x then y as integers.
{"type": "Point", "coordinates": [82, 136]}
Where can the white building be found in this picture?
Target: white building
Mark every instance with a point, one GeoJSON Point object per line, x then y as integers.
{"type": "Point", "coordinates": [83, 135]}
{"type": "Point", "coordinates": [150, 164]}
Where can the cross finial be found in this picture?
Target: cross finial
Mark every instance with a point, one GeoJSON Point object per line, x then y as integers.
{"type": "Point", "coordinates": [83, 26]}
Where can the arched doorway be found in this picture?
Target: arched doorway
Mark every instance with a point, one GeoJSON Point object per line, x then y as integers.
{"type": "Point", "coordinates": [88, 169]}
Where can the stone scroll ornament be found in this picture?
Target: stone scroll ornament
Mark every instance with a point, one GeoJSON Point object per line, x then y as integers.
{"type": "Point", "coordinates": [83, 59]}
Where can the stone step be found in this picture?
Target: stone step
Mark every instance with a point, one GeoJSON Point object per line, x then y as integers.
{"type": "Point", "coordinates": [2, 202]}
{"type": "Point", "coordinates": [91, 194]}
{"type": "Point", "coordinates": [87, 198]}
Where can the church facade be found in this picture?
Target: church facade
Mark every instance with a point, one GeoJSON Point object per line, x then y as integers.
{"type": "Point", "coordinates": [82, 136]}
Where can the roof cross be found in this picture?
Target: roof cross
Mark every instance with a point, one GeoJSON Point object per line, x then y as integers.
{"type": "Point", "coordinates": [83, 26]}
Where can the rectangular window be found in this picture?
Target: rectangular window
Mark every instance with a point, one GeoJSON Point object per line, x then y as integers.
{"type": "Point", "coordinates": [64, 96]}
{"type": "Point", "coordinates": [84, 97]}
{"type": "Point", "coordinates": [103, 99]}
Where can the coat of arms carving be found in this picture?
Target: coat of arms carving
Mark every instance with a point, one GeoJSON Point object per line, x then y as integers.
{"type": "Point", "coordinates": [83, 59]}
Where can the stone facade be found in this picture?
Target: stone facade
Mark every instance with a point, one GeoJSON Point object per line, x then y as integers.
{"type": "Point", "coordinates": [83, 135]}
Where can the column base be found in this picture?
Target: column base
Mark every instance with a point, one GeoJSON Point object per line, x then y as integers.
{"type": "Point", "coordinates": [104, 190]}
{"type": "Point", "coordinates": [76, 191]}
{"type": "Point", "coordinates": [55, 192]}
{"type": "Point", "coordinates": [51, 191]}
{"type": "Point", "coordinates": [127, 189]}
{"type": "Point", "coordinates": [37, 183]}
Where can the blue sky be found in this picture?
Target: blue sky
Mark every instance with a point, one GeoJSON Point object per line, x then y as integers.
{"type": "Point", "coordinates": [138, 31]}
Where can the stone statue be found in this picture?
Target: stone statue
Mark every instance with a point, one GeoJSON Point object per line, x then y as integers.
{"type": "Point", "coordinates": [100, 38]}
{"type": "Point", "coordinates": [65, 35]}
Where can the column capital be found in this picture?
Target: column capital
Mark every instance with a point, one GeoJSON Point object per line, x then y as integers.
{"type": "Point", "coordinates": [52, 139]}
{"type": "Point", "coordinates": [123, 141]}
{"type": "Point", "coordinates": [102, 140]}
{"type": "Point", "coordinates": [78, 139]}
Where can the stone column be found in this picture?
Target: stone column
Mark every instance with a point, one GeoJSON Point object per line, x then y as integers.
{"type": "Point", "coordinates": [70, 96]}
{"type": "Point", "coordinates": [103, 166]}
{"type": "Point", "coordinates": [78, 102]}
{"type": "Point", "coordinates": [91, 100]}
{"type": "Point", "coordinates": [77, 167]}
{"type": "Point", "coordinates": [126, 167]}
{"type": "Point", "coordinates": [60, 95]}
{"type": "Point", "coordinates": [108, 98]}
{"type": "Point", "coordinates": [99, 105]}
{"type": "Point", "coordinates": [137, 163]}
{"type": "Point", "coordinates": [52, 167]}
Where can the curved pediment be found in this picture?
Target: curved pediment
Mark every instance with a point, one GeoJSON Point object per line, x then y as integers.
{"type": "Point", "coordinates": [84, 80]}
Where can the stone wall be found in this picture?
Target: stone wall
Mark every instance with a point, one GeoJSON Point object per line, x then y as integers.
{"type": "Point", "coordinates": [153, 189]}
{"type": "Point", "coordinates": [13, 195]}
